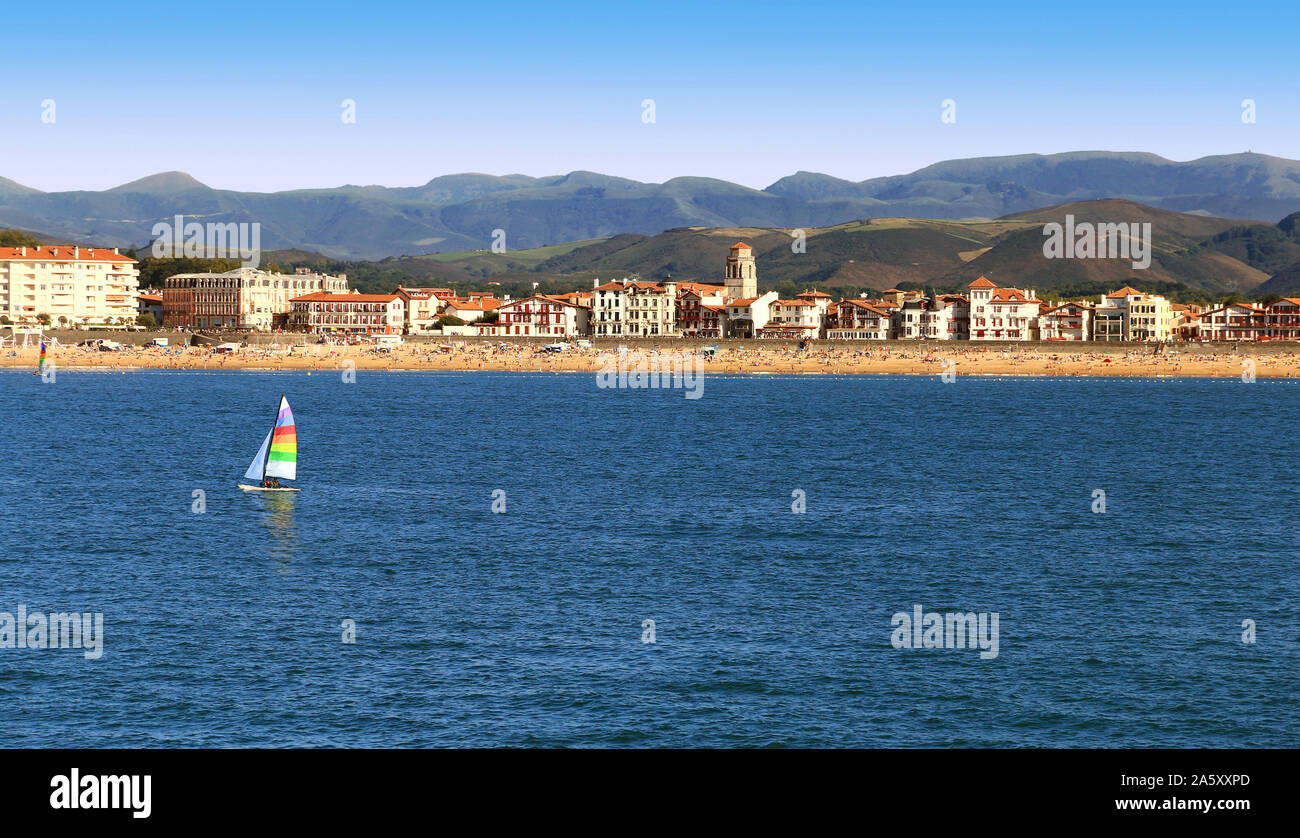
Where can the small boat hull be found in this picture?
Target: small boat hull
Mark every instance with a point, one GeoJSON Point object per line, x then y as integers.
{"type": "Point", "coordinates": [248, 488]}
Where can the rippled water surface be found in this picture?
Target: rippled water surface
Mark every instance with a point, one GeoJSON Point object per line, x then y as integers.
{"type": "Point", "coordinates": [772, 628]}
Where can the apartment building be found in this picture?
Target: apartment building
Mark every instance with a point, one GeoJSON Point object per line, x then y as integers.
{"type": "Point", "coordinates": [650, 309]}
{"type": "Point", "coordinates": [1002, 313]}
{"type": "Point", "coordinates": [1067, 321]}
{"type": "Point", "coordinates": [74, 286]}
{"type": "Point", "coordinates": [945, 317]}
{"type": "Point", "coordinates": [421, 308]}
{"type": "Point", "coordinates": [690, 297]}
{"type": "Point", "coordinates": [862, 320]}
{"type": "Point", "coordinates": [1129, 314]}
{"type": "Point", "coordinates": [355, 314]}
{"type": "Point", "coordinates": [793, 319]}
{"type": "Point", "coordinates": [542, 315]}
{"type": "Point", "coordinates": [1282, 319]}
{"type": "Point", "coordinates": [245, 298]}
{"type": "Point", "coordinates": [1239, 321]}
{"type": "Point", "coordinates": [713, 321]}
{"type": "Point", "coordinates": [746, 317]}
{"type": "Point", "coordinates": [1150, 318]}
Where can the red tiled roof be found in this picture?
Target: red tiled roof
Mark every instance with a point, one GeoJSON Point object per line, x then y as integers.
{"type": "Point", "coordinates": [739, 245]}
{"type": "Point", "coordinates": [327, 297]}
{"type": "Point", "coordinates": [982, 282]}
{"type": "Point", "coordinates": [64, 253]}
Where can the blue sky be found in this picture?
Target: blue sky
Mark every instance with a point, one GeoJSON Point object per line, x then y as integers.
{"type": "Point", "coordinates": [248, 95]}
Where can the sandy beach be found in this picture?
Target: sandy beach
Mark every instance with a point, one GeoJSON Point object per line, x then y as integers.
{"type": "Point", "coordinates": [1278, 362]}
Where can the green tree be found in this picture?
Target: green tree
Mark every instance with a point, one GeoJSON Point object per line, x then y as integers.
{"type": "Point", "coordinates": [146, 320]}
{"type": "Point", "coordinates": [450, 320]}
{"type": "Point", "coordinates": [17, 238]}
{"type": "Point", "coordinates": [43, 318]}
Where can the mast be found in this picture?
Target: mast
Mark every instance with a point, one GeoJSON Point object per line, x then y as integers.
{"type": "Point", "coordinates": [267, 458]}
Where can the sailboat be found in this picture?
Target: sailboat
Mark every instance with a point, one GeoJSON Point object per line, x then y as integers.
{"type": "Point", "coordinates": [40, 366]}
{"type": "Point", "coordinates": [278, 456]}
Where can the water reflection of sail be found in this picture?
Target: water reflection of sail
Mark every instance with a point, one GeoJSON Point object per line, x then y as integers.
{"type": "Point", "coordinates": [279, 523]}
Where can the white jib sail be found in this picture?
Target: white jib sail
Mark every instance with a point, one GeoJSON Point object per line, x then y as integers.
{"type": "Point", "coordinates": [255, 468]}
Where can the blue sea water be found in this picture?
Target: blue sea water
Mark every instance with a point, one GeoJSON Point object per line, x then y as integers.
{"type": "Point", "coordinates": [772, 628]}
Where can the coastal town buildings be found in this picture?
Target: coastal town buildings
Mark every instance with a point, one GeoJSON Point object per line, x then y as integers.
{"type": "Point", "coordinates": [690, 297]}
{"type": "Point", "coordinates": [421, 308]}
{"type": "Point", "coordinates": [1002, 313]}
{"type": "Point", "coordinates": [650, 309]}
{"type": "Point", "coordinates": [244, 298]}
{"type": "Point", "coordinates": [70, 286]}
{"type": "Point", "coordinates": [353, 314]}
{"type": "Point", "coordinates": [1239, 321]}
{"type": "Point", "coordinates": [471, 308]}
{"type": "Point", "coordinates": [862, 320]}
{"type": "Point", "coordinates": [541, 315]}
{"type": "Point", "coordinates": [1067, 321]}
{"type": "Point", "coordinates": [1129, 314]}
{"type": "Point", "coordinates": [1282, 319]}
{"type": "Point", "coordinates": [793, 319]}
{"type": "Point", "coordinates": [607, 308]}
{"type": "Point", "coordinates": [946, 317]}
{"type": "Point", "coordinates": [713, 320]}
{"type": "Point", "coordinates": [747, 316]}
{"type": "Point", "coordinates": [151, 303]}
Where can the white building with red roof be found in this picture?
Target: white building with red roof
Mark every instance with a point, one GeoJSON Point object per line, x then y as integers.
{"type": "Point", "coordinates": [691, 296]}
{"type": "Point", "coordinates": [1002, 313]}
{"type": "Point", "coordinates": [421, 310]}
{"type": "Point", "coordinates": [793, 319]}
{"type": "Point", "coordinates": [539, 316]}
{"type": "Point", "coordinates": [71, 285]}
{"type": "Point", "coordinates": [632, 308]}
{"type": "Point", "coordinates": [862, 320]}
{"type": "Point", "coordinates": [1067, 321]}
{"type": "Point", "coordinates": [747, 316]}
{"type": "Point", "coordinates": [357, 314]}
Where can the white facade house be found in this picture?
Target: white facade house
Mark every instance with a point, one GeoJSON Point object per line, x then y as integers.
{"type": "Point", "coordinates": [539, 316]}
{"type": "Point", "coordinates": [746, 316]}
{"type": "Point", "coordinates": [1068, 321]}
{"type": "Point", "coordinates": [634, 309]}
{"type": "Point", "coordinates": [862, 320]}
{"type": "Point", "coordinates": [422, 307]}
{"type": "Point", "coordinates": [793, 319]}
{"type": "Point", "coordinates": [1002, 313]}
{"type": "Point", "coordinates": [607, 309]}
{"type": "Point", "coordinates": [946, 317]}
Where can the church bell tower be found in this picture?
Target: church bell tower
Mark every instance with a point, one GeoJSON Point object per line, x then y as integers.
{"type": "Point", "coordinates": [742, 274]}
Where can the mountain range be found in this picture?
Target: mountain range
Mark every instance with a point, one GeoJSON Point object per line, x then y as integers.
{"type": "Point", "coordinates": [460, 212]}
{"type": "Point", "coordinates": [1193, 257]}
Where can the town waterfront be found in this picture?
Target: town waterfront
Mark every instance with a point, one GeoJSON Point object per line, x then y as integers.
{"type": "Point", "coordinates": [223, 627]}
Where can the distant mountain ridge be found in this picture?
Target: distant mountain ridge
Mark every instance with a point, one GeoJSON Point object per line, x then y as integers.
{"type": "Point", "coordinates": [461, 211]}
{"type": "Point", "coordinates": [1193, 255]}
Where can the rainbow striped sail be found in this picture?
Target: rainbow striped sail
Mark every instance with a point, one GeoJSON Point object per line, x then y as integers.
{"type": "Point", "coordinates": [278, 456]}
{"type": "Point", "coordinates": [41, 367]}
